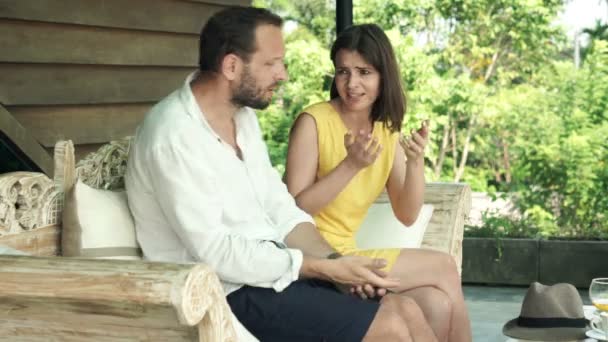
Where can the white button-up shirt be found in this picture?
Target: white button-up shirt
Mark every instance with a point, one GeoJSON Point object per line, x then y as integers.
{"type": "Point", "coordinates": [194, 200]}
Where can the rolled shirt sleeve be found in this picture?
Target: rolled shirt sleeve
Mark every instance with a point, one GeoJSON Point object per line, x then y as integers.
{"type": "Point", "coordinates": [188, 199]}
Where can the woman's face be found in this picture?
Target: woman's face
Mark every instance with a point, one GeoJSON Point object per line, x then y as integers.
{"type": "Point", "coordinates": [357, 81]}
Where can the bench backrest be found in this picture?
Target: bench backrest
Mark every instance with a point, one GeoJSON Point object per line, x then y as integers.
{"type": "Point", "coordinates": [31, 204]}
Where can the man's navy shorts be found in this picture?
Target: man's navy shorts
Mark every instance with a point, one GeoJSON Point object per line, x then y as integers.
{"type": "Point", "coordinates": [307, 310]}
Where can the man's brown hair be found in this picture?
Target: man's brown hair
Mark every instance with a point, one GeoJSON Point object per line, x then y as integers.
{"type": "Point", "coordinates": [232, 30]}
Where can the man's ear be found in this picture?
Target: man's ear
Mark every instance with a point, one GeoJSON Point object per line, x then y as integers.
{"type": "Point", "coordinates": [231, 66]}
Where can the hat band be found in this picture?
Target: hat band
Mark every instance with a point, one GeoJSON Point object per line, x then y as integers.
{"type": "Point", "coordinates": [551, 322]}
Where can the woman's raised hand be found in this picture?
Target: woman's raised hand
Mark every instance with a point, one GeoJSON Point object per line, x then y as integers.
{"type": "Point", "coordinates": [414, 144]}
{"type": "Point", "coordinates": [362, 150]}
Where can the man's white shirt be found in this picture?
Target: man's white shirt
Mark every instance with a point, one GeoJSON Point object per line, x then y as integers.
{"type": "Point", "coordinates": [194, 200]}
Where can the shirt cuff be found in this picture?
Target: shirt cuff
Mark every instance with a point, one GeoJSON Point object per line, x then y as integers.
{"type": "Point", "coordinates": [293, 273]}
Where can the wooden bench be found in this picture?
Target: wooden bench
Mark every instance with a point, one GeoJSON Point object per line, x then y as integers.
{"type": "Point", "coordinates": [47, 297]}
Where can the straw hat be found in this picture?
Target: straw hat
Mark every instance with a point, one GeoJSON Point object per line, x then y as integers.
{"type": "Point", "coordinates": [549, 313]}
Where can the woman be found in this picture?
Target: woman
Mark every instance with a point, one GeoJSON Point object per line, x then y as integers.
{"type": "Point", "coordinates": [343, 153]}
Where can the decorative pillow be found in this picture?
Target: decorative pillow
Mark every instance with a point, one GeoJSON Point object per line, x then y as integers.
{"type": "Point", "coordinates": [98, 224]}
{"type": "Point", "coordinates": [381, 229]}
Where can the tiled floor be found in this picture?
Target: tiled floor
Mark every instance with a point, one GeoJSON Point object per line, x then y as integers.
{"type": "Point", "coordinates": [491, 307]}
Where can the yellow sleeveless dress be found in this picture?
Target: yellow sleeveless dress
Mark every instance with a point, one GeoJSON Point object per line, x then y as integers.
{"type": "Point", "coordinates": [339, 221]}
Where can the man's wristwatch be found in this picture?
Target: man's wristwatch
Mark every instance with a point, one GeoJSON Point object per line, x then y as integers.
{"type": "Point", "coordinates": [334, 255]}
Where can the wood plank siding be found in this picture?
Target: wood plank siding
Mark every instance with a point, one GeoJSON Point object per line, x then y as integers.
{"type": "Point", "coordinates": [88, 70]}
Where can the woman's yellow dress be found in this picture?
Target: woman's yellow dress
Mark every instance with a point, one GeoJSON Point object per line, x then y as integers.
{"type": "Point", "coordinates": [339, 221]}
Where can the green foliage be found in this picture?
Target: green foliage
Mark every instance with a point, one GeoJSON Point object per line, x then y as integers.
{"type": "Point", "coordinates": [309, 68]}
{"type": "Point", "coordinates": [593, 97]}
{"type": "Point", "coordinates": [316, 16]}
{"type": "Point", "coordinates": [496, 226]}
{"type": "Point", "coordinates": [562, 156]}
{"type": "Point", "coordinates": [499, 37]}
{"type": "Point", "coordinates": [595, 34]}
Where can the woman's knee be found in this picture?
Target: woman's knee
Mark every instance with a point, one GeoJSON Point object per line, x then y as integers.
{"type": "Point", "coordinates": [388, 325]}
{"type": "Point", "coordinates": [409, 309]}
{"type": "Point", "coordinates": [398, 328]}
{"type": "Point", "coordinates": [437, 305]}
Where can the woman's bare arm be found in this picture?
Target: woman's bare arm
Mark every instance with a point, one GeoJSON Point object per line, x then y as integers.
{"type": "Point", "coordinates": [312, 194]}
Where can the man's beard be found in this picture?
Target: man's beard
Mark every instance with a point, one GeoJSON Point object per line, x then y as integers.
{"type": "Point", "coordinates": [248, 94]}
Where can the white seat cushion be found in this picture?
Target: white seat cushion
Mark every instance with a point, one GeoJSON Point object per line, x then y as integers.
{"type": "Point", "coordinates": [381, 229]}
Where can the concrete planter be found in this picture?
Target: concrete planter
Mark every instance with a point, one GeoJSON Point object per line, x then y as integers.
{"type": "Point", "coordinates": [500, 261]}
{"type": "Point", "coordinates": [574, 262]}
{"type": "Point", "coordinates": [522, 261]}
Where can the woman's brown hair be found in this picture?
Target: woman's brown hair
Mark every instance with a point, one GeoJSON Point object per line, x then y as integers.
{"type": "Point", "coordinates": [370, 41]}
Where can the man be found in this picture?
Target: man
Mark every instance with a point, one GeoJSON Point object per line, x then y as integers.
{"type": "Point", "coordinates": [202, 189]}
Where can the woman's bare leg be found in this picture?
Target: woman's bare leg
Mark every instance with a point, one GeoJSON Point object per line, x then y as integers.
{"type": "Point", "coordinates": [426, 268]}
{"type": "Point", "coordinates": [399, 319]}
{"type": "Point", "coordinates": [436, 306]}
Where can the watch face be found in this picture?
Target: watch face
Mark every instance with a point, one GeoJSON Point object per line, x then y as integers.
{"type": "Point", "coordinates": [334, 255]}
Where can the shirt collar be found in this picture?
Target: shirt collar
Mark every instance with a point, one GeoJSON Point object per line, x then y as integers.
{"type": "Point", "coordinates": [189, 102]}
{"type": "Point", "coordinates": [192, 109]}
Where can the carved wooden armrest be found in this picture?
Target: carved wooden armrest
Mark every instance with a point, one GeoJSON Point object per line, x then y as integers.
{"type": "Point", "coordinates": [111, 299]}
{"type": "Point", "coordinates": [451, 206]}
{"type": "Point", "coordinates": [28, 200]}
{"type": "Point", "coordinates": [30, 212]}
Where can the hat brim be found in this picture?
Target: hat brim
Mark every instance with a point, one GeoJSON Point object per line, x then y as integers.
{"type": "Point", "coordinates": [511, 329]}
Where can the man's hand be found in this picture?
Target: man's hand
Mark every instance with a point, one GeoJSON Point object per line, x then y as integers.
{"type": "Point", "coordinates": [361, 149]}
{"type": "Point", "coordinates": [357, 270]}
{"type": "Point", "coordinates": [365, 291]}
{"type": "Point", "coordinates": [368, 291]}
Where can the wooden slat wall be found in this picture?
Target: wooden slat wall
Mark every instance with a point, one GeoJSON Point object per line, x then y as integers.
{"type": "Point", "coordinates": [81, 123]}
{"type": "Point", "coordinates": [88, 70]}
{"type": "Point", "coordinates": [56, 84]}
{"type": "Point", "coordinates": [153, 15]}
{"type": "Point", "coordinates": [75, 44]}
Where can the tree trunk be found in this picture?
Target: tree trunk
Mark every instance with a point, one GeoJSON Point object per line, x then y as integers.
{"type": "Point", "coordinates": [454, 146]}
{"type": "Point", "coordinates": [465, 151]}
{"type": "Point", "coordinates": [442, 150]}
{"type": "Point", "coordinates": [497, 175]}
{"type": "Point", "coordinates": [506, 159]}
{"type": "Point", "coordinates": [503, 48]}
{"type": "Point", "coordinates": [495, 167]}
{"type": "Point", "coordinates": [492, 67]}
